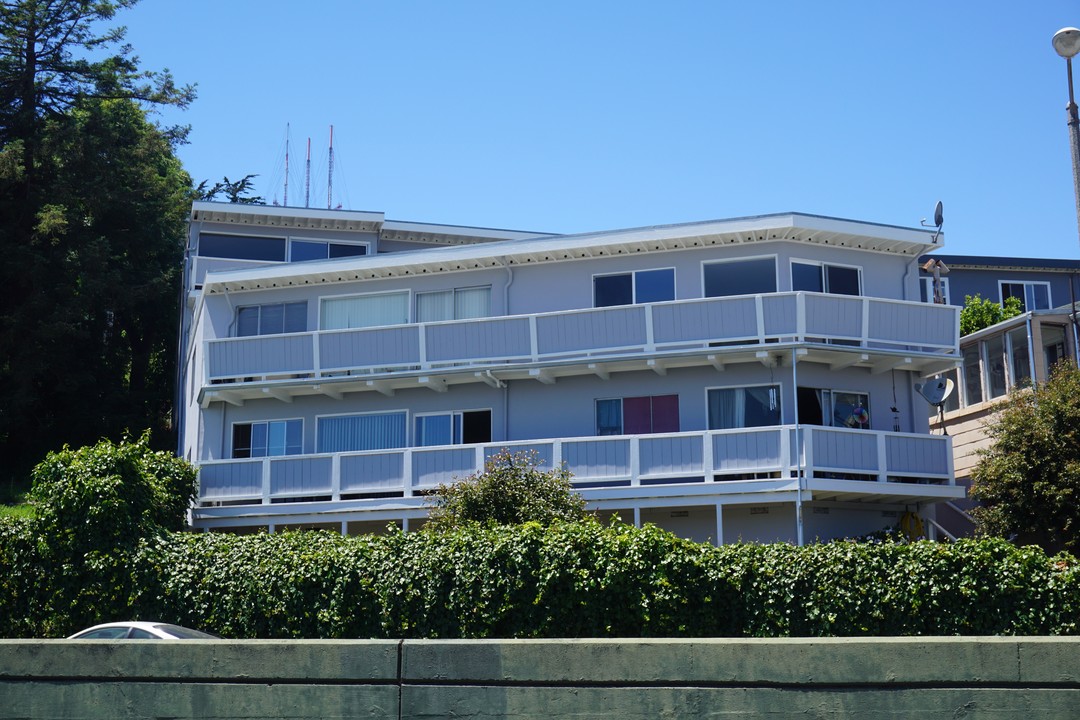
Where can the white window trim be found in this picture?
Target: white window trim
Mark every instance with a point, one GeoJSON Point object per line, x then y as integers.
{"type": "Point", "coordinates": [234, 423]}
{"type": "Point", "coordinates": [633, 283]}
{"type": "Point", "coordinates": [927, 283]}
{"type": "Point", "coordinates": [822, 263]}
{"type": "Point", "coordinates": [779, 385]}
{"type": "Point", "coordinates": [774, 257]}
{"type": "Point", "coordinates": [300, 238]}
{"type": "Point", "coordinates": [408, 309]}
{"type": "Point", "coordinates": [1025, 283]}
{"type": "Point", "coordinates": [436, 413]}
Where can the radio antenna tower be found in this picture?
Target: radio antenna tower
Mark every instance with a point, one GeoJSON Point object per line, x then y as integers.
{"type": "Point", "coordinates": [286, 165]}
{"type": "Point", "coordinates": [330, 173]}
{"type": "Point", "coordinates": [307, 176]}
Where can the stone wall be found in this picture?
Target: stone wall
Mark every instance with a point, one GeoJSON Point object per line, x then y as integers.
{"type": "Point", "coordinates": [634, 678]}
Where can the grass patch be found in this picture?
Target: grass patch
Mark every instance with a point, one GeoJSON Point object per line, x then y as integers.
{"type": "Point", "coordinates": [24, 511]}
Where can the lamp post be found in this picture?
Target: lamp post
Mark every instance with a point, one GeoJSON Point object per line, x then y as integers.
{"type": "Point", "coordinates": [1067, 44]}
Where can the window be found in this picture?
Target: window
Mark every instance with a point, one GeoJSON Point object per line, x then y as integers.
{"type": "Point", "coordinates": [994, 366]}
{"type": "Point", "coordinates": [267, 439]}
{"type": "Point", "coordinates": [926, 289]}
{"type": "Point", "coordinates": [739, 277]}
{"type": "Point", "coordinates": [973, 392]}
{"type": "Point", "coordinates": [348, 433]}
{"type": "Point", "coordinates": [637, 415]}
{"type": "Point", "coordinates": [823, 278]}
{"type": "Point", "coordinates": [364, 311]}
{"type": "Point", "coordinates": [457, 428]}
{"type": "Point", "coordinates": [834, 408]}
{"type": "Point", "coordinates": [1053, 343]}
{"type": "Point", "coordinates": [456, 304]}
{"type": "Point", "coordinates": [241, 247]}
{"type": "Point", "coordinates": [642, 286]}
{"type": "Point", "coordinates": [271, 319]}
{"type": "Point", "coordinates": [1032, 295]}
{"type": "Point", "coordinates": [304, 250]}
{"type": "Point", "coordinates": [744, 407]}
{"type": "Point", "coordinates": [1019, 359]}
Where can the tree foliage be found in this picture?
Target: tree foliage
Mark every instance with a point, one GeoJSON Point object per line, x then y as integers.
{"type": "Point", "coordinates": [979, 313]}
{"type": "Point", "coordinates": [234, 191]}
{"type": "Point", "coordinates": [510, 490]}
{"type": "Point", "coordinates": [1028, 480]}
{"type": "Point", "coordinates": [95, 204]}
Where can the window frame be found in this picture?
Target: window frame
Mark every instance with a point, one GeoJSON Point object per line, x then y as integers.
{"type": "Point", "coordinates": [415, 302]}
{"type": "Point", "coordinates": [622, 413]}
{"type": "Point", "coordinates": [776, 272]}
{"type": "Point", "coordinates": [403, 411]}
{"type": "Point", "coordinates": [366, 244]}
{"type": "Point", "coordinates": [413, 440]}
{"type": "Point", "coordinates": [260, 306]}
{"type": "Point", "coordinates": [408, 307]}
{"type": "Point", "coordinates": [926, 288]}
{"type": "Point", "coordinates": [634, 285]}
{"type": "Point", "coordinates": [744, 386]}
{"type": "Point", "coordinates": [824, 276]}
{"type": "Point", "coordinates": [198, 252]}
{"type": "Point", "coordinates": [1026, 284]}
{"type": "Point", "coordinates": [232, 438]}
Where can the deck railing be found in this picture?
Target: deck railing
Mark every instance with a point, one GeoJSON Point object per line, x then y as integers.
{"type": "Point", "coordinates": [627, 460]}
{"type": "Point", "coordinates": [591, 334]}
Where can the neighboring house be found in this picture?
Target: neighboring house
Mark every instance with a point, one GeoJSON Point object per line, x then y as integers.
{"type": "Point", "coordinates": [743, 379]}
{"type": "Point", "coordinates": [998, 359]}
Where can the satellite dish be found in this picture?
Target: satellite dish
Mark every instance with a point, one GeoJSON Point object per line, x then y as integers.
{"type": "Point", "coordinates": [939, 217]}
{"type": "Point", "coordinates": [937, 391]}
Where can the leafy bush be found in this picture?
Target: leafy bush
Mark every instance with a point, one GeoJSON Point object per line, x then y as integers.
{"type": "Point", "coordinates": [92, 508]}
{"type": "Point", "coordinates": [510, 490]}
{"type": "Point", "coordinates": [979, 313]}
{"type": "Point", "coordinates": [587, 579]}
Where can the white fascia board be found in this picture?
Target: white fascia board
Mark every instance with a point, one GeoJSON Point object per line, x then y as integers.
{"type": "Point", "coordinates": [199, 208]}
{"type": "Point", "coordinates": [422, 229]}
{"type": "Point", "coordinates": [790, 227]}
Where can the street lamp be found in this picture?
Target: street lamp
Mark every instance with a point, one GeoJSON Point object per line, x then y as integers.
{"type": "Point", "coordinates": [1067, 44]}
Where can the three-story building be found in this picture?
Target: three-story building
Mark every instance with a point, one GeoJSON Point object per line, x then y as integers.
{"type": "Point", "coordinates": [748, 379]}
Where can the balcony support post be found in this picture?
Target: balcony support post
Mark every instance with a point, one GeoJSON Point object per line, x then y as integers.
{"type": "Point", "coordinates": [719, 525]}
{"type": "Point", "coordinates": [265, 472]}
{"type": "Point", "coordinates": [883, 461]}
{"type": "Point", "coordinates": [335, 478]}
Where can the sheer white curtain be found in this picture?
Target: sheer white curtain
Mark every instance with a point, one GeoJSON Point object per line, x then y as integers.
{"type": "Point", "coordinates": [365, 311]}
{"type": "Point", "coordinates": [727, 408]}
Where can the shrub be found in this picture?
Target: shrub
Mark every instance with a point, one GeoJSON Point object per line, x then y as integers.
{"type": "Point", "coordinates": [510, 490]}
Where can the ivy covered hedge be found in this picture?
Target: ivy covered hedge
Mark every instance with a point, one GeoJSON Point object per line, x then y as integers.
{"type": "Point", "coordinates": [593, 580]}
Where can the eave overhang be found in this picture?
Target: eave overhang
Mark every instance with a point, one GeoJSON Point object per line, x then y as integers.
{"type": "Point", "coordinates": [789, 227]}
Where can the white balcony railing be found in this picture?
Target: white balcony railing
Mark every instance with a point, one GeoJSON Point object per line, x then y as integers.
{"type": "Point", "coordinates": [587, 334]}
{"type": "Point", "coordinates": [633, 460]}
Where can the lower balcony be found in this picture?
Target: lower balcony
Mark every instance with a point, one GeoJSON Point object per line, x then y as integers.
{"type": "Point", "coordinates": [719, 466]}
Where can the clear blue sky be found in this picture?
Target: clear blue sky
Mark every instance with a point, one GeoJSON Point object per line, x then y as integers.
{"type": "Point", "coordinates": [571, 116]}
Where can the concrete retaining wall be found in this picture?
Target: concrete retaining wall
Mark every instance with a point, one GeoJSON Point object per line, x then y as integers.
{"type": "Point", "coordinates": [805, 678]}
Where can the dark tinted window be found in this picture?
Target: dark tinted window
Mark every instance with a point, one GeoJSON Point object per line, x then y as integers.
{"type": "Point", "coordinates": [740, 277]}
{"type": "Point", "coordinates": [842, 280]}
{"type": "Point", "coordinates": [241, 247]}
{"type": "Point", "coordinates": [807, 278]}
{"type": "Point", "coordinates": [655, 285]}
{"type": "Point", "coordinates": [303, 251]}
{"type": "Point", "coordinates": [338, 250]}
{"type": "Point", "coordinates": [614, 290]}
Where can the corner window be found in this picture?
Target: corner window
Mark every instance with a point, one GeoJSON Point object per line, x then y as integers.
{"type": "Point", "coordinates": [457, 428]}
{"type": "Point", "coordinates": [267, 439]}
{"type": "Point", "coordinates": [739, 277]}
{"type": "Point", "coordinates": [744, 407]}
{"type": "Point", "coordinates": [642, 286]}
{"type": "Point", "coordinates": [973, 392]}
{"type": "Point", "coordinates": [834, 408]}
{"type": "Point", "coordinates": [1032, 295]}
{"type": "Point", "coordinates": [824, 278]}
{"type": "Point", "coordinates": [241, 247]}
{"type": "Point", "coordinates": [271, 319]}
{"type": "Point", "coordinates": [1019, 358]}
{"type": "Point", "coordinates": [637, 415]}
{"type": "Point", "coordinates": [456, 304]}
{"type": "Point", "coordinates": [1053, 343]}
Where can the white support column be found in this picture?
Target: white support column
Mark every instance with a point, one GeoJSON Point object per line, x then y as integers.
{"type": "Point", "coordinates": [637, 516]}
{"type": "Point", "coordinates": [406, 473]}
{"type": "Point", "coordinates": [800, 317]}
{"type": "Point", "coordinates": [719, 524]}
{"type": "Point", "coordinates": [865, 322]}
{"type": "Point", "coordinates": [315, 357]}
{"type": "Point", "coordinates": [404, 524]}
{"type": "Point", "coordinates": [345, 527]}
{"type": "Point", "coordinates": [759, 309]}
{"type": "Point", "coordinates": [708, 464]}
{"type": "Point", "coordinates": [335, 477]}
{"type": "Point", "coordinates": [650, 341]}
{"type": "Point", "coordinates": [534, 346]}
{"type": "Point", "coordinates": [883, 458]}
{"type": "Point", "coordinates": [265, 470]}
{"type": "Point", "coordinates": [635, 461]}
{"type": "Point", "coordinates": [422, 344]}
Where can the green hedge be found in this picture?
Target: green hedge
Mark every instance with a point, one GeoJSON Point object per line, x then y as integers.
{"type": "Point", "coordinates": [592, 580]}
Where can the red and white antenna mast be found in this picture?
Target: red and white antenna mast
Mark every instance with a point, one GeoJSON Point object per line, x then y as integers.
{"type": "Point", "coordinates": [307, 176]}
{"type": "Point", "coordinates": [286, 203]}
{"type": "Point", "coordinates": [330, 174]}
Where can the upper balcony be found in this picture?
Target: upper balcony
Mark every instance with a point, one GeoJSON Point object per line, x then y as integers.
{"type": "Point", "coordinates": [838, 329]}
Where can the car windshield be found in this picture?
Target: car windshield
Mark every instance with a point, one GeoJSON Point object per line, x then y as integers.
{"type": "Point", "coordinates": [186, 633]}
